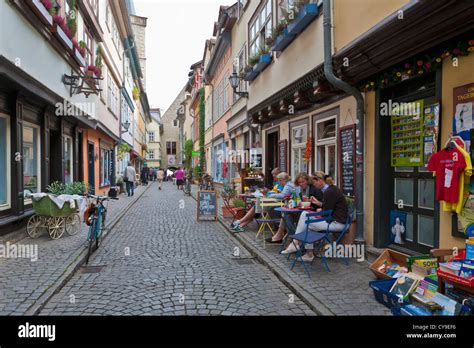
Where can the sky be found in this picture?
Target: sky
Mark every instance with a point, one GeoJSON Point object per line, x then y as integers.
{"type": "Point", "coordinates": [175, 36]}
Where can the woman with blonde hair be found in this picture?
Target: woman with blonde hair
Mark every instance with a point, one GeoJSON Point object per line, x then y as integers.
{"type": "Point", "coordinates": [288, 188]}
{"type": "Point", "coordinates": [333, 199]}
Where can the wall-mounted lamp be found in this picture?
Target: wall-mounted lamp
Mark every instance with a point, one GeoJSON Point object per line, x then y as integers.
{"type": "Point", "coordinates": [234, 82]}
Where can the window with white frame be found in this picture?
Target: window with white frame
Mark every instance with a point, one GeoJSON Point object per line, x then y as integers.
{"type": "Point", "coordinates": [225, 94]}
{"type": "Point", "coordinates": [326, 146]}
{"type": "Point", "coordinates": [151, 136]}
{"type": "Point", "coordinates": [4, 162]}
{"type": "Point", "coordinates": [31, 159]}
{"type": "Point", "coordinates": [260, 28]}
{"type": "Point", "coordinates": [68, 159]}
{"type": "Point", "coordinates": [151, 154]}
{"type": "Point", "coordinates": [105, 166]}
{"type": "Point", "coordinates": [299, 136]}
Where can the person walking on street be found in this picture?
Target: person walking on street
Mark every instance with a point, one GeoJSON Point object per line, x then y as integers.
{"type": "Point", "coordinates": [144, 175]}
{"type": "Point", "coordinates": [160, 174]}
{"type": "Point", "coordinates": [129, 177]}
{"type": "Point", "coordinates": [179, 175]}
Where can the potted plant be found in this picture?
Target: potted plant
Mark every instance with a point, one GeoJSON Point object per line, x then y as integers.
{"type": "Point", "coordinates": [98, 62]}
{"type": "Point", "coordinates": [264, 59]}
{"type": "Point", "coordinates": [276, 31]}
{"type": "Point", "coordinates": [90, 71]}
{"type": "Point", "coordinates": [42, 10]}
{"type": "Point", "coordinates": [349, 238]}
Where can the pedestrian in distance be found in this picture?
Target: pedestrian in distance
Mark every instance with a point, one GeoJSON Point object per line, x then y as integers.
{"type": "Point", "coordinates": [144, 175]}
{"type": "Point", "coordinates": [179, 175]}
{"type": "Point", "coordinates": [129, 178]}
{"type": "Point", "coordinates": [160, 174]}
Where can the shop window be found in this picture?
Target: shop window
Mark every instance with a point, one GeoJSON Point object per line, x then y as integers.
{"type": "Point", "coordinates": [68, 159]}
{"type": "Point", "coordinates": [105, 167]}
{"type": "Point", "coordinates": [426, 193]}
{"type": "Point", "coordinates": [426, 230]}
{"type": "Point", "coordinates": [31, 159]}
{"type": "Point", "coordinates": [404, 191]}
{"type": "Point", "coordinates": [4, 162]}
{"type": "Point", "coordinates": [409, 228]}
{"type": "Point", "coordinates": [326, 149]}
{"type": "Point", "coordinates": [298, 147]}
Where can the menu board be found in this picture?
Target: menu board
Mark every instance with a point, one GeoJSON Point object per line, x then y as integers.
{"type": "Point", "coordinates": [207, 205]}
{"type": "Point", "coordinates": [347, 147]}
{"type": "Point", "coordinates": [407, 134]}
{"type": "Point", "coordinates": [282, 155]}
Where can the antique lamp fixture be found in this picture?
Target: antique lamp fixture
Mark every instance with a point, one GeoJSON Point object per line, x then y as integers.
{"type": "Point", "coordinates": [234, 82]}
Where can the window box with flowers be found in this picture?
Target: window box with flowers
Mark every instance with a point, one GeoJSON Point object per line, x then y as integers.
{"type": "Point", "coordinates": [282, 41]}
{"type": "Point", "coordinates": [62, 32]}
{"type": "Point", "coordinates": [80, 52]}
{"type": "Point", "coordinates": [306, 13]}
{"type": "Point", "coordinates": [42, 8]}
{"type": "Point", "coordinates": [257, 64]}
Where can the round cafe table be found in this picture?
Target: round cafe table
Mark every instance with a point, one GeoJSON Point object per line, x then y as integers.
{"type": "Point", "coordinates": [286, 214]}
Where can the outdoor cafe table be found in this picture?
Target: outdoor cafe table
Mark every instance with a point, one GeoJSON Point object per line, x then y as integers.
{"type": "Point", "coordinates": [290, 225]}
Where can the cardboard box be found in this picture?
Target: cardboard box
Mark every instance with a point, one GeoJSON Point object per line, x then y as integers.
{"type": "Point", "coordinates": [391, 256]}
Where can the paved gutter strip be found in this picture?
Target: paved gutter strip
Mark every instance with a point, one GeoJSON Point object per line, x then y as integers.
{"type": "Point", "coordinates": [73, 267]}
{"type": "Point", "coordinates": [316, 305]}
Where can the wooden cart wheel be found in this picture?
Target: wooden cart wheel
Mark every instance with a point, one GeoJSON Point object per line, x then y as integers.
{"type": "Point", "coordinates": [34, 226]}
{"type": "Point", "coordinates": [73, 224]}
{"type": "Point", "coordinates": [56, 227]}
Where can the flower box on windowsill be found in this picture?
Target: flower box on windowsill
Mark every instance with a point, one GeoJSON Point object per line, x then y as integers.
{"type": "Point", "coordinates": [41, 12]}
{"type": "Point", "coordinates": [282, 41]}
{"type": "Point", "coordinates": [264, 61]}
{"type": "Point", "coordinates": [62, 37]}
{"type": "Point", "coordinates": [79, 58]}
{"type": "Point", "coordinates": [251, 75]}
{"type": "Point", "coordinates": [306, 15]}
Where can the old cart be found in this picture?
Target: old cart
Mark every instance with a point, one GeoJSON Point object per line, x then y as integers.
{"type": "Point", "coordinates": [53, 219]}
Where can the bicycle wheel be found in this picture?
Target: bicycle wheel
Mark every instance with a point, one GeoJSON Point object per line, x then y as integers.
{"type": "Point", "coordinates": [73, 224]}
{"type": "Point", "coordinates": [91, 240]}
{"type": "Point", "coordinates": [102, 228]}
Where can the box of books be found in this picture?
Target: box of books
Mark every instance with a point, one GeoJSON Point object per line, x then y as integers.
{"type": "Point", "coordinates": [390, 264]}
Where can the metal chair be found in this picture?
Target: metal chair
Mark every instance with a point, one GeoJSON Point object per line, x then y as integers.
{"type": "Point", "coordinates": [266, 204]}
{"type": "Point", "coordinates": [310, 237]}
{"type": "Point", "coordinates": [340, 234]}
{"type": "Point", "coordinates": [236, 212]}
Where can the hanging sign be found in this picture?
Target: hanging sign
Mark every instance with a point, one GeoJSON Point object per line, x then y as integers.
{"type": "Point", "coordinates": [347, 150]}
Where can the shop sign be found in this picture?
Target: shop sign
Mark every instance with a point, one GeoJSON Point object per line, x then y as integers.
{"type": "Point", "coordinates": [347, 164]}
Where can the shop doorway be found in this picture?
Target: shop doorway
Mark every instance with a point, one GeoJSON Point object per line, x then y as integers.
{"type": "Point", "coordinates": [90, 167]}
{"type": "Point", "coordinates": [406, 212]}
{"type": "Point", "coordinates": [271, 160]}
{"type": "Point", "coordinates": [56, 156]}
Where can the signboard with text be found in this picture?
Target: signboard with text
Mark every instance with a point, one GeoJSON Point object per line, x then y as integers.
{"type": "Point", "coordinates": [347, 159]}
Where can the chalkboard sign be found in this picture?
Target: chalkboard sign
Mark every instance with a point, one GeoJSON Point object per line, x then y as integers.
{"type": "Point", "coordinates": [282, 155]}
{"type": "Point", "coordinates": [207, 205]}
{"type": "Point", "coordinates": [347, 159]}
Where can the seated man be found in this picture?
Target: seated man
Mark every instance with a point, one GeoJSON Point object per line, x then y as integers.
{"type": "Point", "coordinates": [288, 189]}
{"type": "Point", "coordinates": [333, 199]}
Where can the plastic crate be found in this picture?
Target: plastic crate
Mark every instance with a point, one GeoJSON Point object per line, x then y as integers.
{"type": "Point", "coordinates": [46, 207]}
{"type": "Point", "coordinates": [382, 292]}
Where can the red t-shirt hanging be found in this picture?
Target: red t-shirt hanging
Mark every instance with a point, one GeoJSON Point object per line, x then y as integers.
{"type": "Point", "coordinates": [448, 164]}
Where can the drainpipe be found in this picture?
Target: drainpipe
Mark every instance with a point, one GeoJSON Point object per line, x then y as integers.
{"type": "Point", "coordinates": [350, 90]}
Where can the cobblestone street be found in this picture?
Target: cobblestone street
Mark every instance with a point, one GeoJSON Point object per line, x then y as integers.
{"type": "Point", "coordinates": [159, 260]}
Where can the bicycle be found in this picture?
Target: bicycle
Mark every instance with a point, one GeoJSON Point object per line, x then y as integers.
{"type": "Point", "coordinates": [95, 218]}
{"type": "Point", "coordinates": [187, 186]}
{"type": "Point", "coordinates": [206, 183]}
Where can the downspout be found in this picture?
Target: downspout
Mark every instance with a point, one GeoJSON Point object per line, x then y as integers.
{"type": "Point", "coordinates": [350, 90]}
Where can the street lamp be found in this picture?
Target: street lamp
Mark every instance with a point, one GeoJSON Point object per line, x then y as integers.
{"type": "Point", "coordinates": [234, 82]}
{"type": "Point", "coordinates": [126, 126]}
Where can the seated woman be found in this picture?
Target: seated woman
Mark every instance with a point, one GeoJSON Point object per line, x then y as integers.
{"type": "Point", "coordinates": [333, 199]}
{"type": "Point", "coordinates": [307, 190]}
{"type": "Point", "coordinates": [288, 189]}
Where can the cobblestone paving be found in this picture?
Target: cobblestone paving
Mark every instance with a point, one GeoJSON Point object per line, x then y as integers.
{"type": "Point", "coordinates": [160, 261]}
{"type": "Point", "coordinates": [343, 291]}
{"type": "Point", "coordinates": [23, 281]}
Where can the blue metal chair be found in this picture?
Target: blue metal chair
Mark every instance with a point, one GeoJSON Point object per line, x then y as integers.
{"type": "Point", "coordinates": [340, 234]}
{"type": "Point", "coordinates": [311, 237]}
